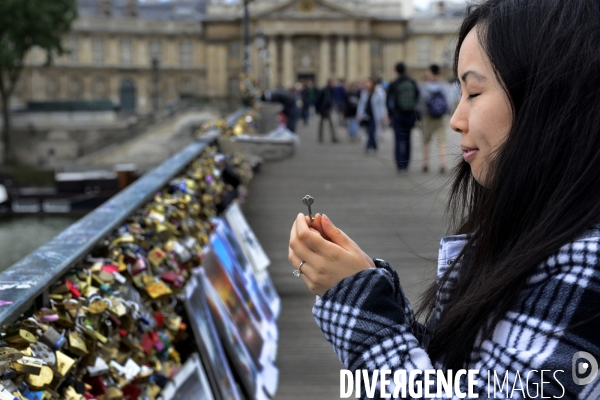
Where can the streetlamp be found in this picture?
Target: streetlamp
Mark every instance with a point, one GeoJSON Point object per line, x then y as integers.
{"type": "Point", "coordinates": [246, 66]}
{"type": "Point", "coordinates": [155, 78]}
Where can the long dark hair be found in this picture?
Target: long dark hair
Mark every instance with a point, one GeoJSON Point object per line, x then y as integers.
{"type": "Point", "coordinates": [543, 185]}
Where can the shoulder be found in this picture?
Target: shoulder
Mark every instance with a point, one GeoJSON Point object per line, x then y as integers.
{"type": "Point", "coordinates": [575, 263]}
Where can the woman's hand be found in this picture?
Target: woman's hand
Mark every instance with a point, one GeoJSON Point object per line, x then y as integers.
{"type": "Point", "coordinates": [328, 254]}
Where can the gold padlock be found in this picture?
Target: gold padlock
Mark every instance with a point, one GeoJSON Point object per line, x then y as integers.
{"type": "Point", "coordinates": [28, 365]}
{"type": "Point", "coordinates": [117, 307]}
{"type": "Point", "coordinates": [42, 379]}
{"type": "Point", "coordinates": [9, 354]}
{"type": "Point", "coordinates": [71, 394]}
{"type": "Point", "coordinates": [173, 322]}
{"type": "Point", "coordinates": [97, 307]}
{"type": "Point", "coordinates": [64, 363]}
{"type": "Point", "coordinates": [20, 337]}
{"type": "Point", "coordinates": [157, 289]}
{"type": "Point", "coordinates": [113, 393]}
{"type": "Point", "coordinates": [77, 345]}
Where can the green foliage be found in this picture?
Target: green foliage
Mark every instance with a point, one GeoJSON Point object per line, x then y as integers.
{"type": "Point", "coordinates": [28, 23]}
{"type": "Point", "coordinates": [25, 24]}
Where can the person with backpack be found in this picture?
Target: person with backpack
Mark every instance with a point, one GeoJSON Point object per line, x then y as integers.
{"type": "Point", "coordinates": [436, 97]}
{"type": "Point", "coordinates": [402, 99]}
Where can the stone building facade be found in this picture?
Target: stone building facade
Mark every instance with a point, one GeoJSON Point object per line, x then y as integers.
{"type": "Point", "coordinates": [198, 51]}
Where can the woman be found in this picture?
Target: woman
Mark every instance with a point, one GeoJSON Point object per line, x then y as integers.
{"type": "Point", "coordinates": [518, 284]}
{"type": "Point", "coordinates": [371, 112]}
{"type": "Point", "coordinates": [351, 109]}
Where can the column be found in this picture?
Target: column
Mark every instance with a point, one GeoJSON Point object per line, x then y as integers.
{"type": "Point", "coordinates": [353, 60]}
{"type": "Point", "coordinates": [340, 57]}
{"type": "Point", "coordinates": [273, 65]}
{"type": "Point", "coordinates": [288, 68]}
{"type": "Point", "coordinates": [325, 63]}
{"type": "Point", "coordinates": [365, 58]}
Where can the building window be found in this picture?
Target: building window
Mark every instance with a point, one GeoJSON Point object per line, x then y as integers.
{"type": "Point", "coordinates": [73, 50]}
{"type": "Point", "coordinates": [52, 87]}
{"type": "Point", "coordinates": [185, 53]}
{"type": "Point", "coordinates": [235, 50]}
{"type": "Point", "coordinates": [186, 86]}
{"type": "Point", "coordinates": [234, 87]}
{"type": "Point", "coordinates": [155, 50]}
{"type": "Point", "coordinates": [423, 51]}
{"type": "Point", "coordinates": [99, 88]}
{"type": "Point", "coordinates": [75, 88]}
{"type": "Point", "coordinates": [98, 50]}
{"type": "Point", "coordinates": [126, 52]}
{"type": "Point", "coordinates": [448, 53]}
{"type": "Point", "coordinates": [376, 48]}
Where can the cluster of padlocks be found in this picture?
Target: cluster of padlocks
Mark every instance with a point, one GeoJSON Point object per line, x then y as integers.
{"type": "Point", "coordinates": [112, 327]}
{"type": "Point", "coordinates": [246, 124]}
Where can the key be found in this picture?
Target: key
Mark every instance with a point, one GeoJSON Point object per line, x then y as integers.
{"type": "Point", "coordinates": [308, 200]}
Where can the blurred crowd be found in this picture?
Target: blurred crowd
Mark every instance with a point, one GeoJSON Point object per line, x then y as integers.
{"type": "Point", "coordinates": [374, 104]}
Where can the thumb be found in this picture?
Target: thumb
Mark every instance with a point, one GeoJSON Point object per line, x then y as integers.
{"type": "Point", "coordinates": [335, 234]}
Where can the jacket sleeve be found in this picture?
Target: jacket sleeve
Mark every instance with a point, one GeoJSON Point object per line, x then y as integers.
{"type": "Point", "coordinates": [370, 325]}
{"type": "Point", "coordinates": [390, 96]}
{"type": "Point", "coordinates": [362, 104]}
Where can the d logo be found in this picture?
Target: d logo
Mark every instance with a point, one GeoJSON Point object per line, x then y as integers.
{"type": "Point", "coordinates": [589, 366]}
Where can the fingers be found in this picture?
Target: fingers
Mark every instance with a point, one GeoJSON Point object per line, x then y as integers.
{"type": "Point", "coordinates": [298, 245]}
{"type": "Point", "coordinates": [318, 225]}
{"type": "Point", "coordinates": [334, 234]}
{"type": "Point", "coordinates": [312, 239]}
{"type": "Point", "coordinates": [306, 269]}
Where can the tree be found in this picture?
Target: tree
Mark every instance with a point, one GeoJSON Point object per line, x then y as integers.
{"type": "Point", "coordinates": [23, 25]}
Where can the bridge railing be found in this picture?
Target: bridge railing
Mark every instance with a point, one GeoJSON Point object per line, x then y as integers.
{"type": "Point", "coordinates": [28, 279]}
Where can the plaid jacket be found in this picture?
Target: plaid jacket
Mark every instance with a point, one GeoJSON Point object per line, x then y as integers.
{"type": "Point", "coordinates": [370, 324]}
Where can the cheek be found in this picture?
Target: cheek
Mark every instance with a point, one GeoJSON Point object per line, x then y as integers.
{"type": "Point", "coordinates": [492, 125]}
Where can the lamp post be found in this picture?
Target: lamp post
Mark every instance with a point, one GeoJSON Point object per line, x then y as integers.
{"type": "Point", "coordinates": [246, 66]}
{"type": "Point", "coordinates": [155, 78]}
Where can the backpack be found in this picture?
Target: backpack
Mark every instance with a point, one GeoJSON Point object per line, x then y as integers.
{"type": "Point", "coordinates": [437, 105]}
{"type": "Point", "coordinates": [406, 95]}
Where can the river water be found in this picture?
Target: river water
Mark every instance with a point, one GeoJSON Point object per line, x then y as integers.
{"type": "Point", "coordinates": [21, 234]}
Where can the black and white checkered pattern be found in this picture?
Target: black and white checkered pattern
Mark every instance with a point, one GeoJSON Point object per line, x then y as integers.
{"type": "Point", "coordinates": [371, 325]}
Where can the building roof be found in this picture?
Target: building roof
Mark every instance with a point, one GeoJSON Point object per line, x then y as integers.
{"type": "Point", "coordinates": [150, 10]}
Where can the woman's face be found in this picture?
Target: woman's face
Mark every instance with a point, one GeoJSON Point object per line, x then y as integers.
{"type": "Point", "coordinates": [483, 116]}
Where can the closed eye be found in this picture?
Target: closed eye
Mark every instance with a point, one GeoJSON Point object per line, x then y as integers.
{"type": "Point", "coordinates": [472, 96]}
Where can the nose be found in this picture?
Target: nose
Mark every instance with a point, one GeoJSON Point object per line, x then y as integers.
{"type": "Point", "coordinates": [459, 122]}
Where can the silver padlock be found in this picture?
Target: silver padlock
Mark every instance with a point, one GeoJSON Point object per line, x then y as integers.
{"type": "Point", "coordinates": [44, 353]}
{"type": "Point", "coordinates": [53, 339]}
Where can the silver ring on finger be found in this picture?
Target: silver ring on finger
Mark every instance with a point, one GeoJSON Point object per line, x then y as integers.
{"type": "Point", "coordinates": [298, 272]}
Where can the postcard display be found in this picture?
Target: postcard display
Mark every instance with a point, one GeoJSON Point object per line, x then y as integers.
{"type": "Point", "coordinates": [176, 303]}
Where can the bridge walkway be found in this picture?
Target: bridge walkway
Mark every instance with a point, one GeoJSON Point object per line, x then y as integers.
{"type": "Point", "coordinates": [395, 217]}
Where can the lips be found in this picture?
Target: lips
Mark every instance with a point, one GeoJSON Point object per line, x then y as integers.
{"type": "Point", "coordinates": [469, 152]}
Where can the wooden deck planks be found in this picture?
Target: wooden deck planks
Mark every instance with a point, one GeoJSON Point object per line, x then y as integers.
{"type": "Point", "coordinates": [397, 218]}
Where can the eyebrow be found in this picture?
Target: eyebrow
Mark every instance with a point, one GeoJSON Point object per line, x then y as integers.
{"type": "Point", "coordinates": [474, 74]}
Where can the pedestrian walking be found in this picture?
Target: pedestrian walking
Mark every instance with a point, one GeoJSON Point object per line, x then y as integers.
{"type": "Point", "coordinates": [324, 106]}
{"type": "Point", "coordinates": [290, 108]}
{"type": "Point", "coordinates": [307, 101]}
{"type": "Point", "coordinates": [350, 111]}
{"type": "Point", "coordinates": [339, 100]}
{"type": "Point", "coordinates": [516, 298]}
{"type": "Point", "coordinates": [436, 99]}
{"type": "Point", "coordinates": [384, 121]}
{"type": "Point", "coordinates": [402, 98]}
{"type": "Point", "coordinates": [371, 112]}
